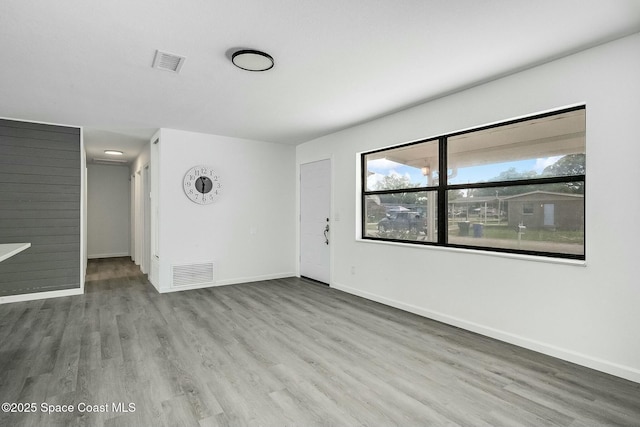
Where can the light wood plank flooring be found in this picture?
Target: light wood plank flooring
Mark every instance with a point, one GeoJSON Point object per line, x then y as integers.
{"type": "Point", "coordinates": [278, 353]}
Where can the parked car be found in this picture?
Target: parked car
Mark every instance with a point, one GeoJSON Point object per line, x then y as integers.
{"type": "Point", "coordinates": [403, 221]}
{"type": "Point", "coordinates": [457, 214]}
{"type": "Point", "coordinates": [489, 212]}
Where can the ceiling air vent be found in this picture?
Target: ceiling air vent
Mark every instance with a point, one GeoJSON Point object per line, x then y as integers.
{"type": "Point", "coordinates": [168, 61]}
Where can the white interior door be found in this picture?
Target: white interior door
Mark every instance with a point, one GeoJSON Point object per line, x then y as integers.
{"type": "Point", "coordinates": [315, 209]}
{"type": "Point", "coordinates": [139, 234]}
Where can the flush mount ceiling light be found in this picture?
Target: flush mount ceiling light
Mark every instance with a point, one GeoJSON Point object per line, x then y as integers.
{"type": "Point", "coordinates": [252, 60]}
{"type": "Point", "coordinates": [113, 152]}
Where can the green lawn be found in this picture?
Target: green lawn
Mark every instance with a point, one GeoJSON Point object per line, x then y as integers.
{"type": "Point", "coordinates": [543, 235]}
{"type": "Point", "coordinates": [503, 231]}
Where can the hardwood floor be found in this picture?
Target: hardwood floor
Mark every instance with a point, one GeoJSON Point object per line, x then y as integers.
{"type": "Point", "coordinates": [276, 353]}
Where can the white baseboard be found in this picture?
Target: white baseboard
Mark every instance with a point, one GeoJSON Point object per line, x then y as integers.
{"type": "Point", "coordinates": [239, 280]}
{"type": "Point", "coordinates": [111, 255]}
{"type": "Point", "coordinates": [608, 367]}
{"type": "Point", "coordinates": [41, 295]}
{"type": "Point", "coordinates": [226, 282]}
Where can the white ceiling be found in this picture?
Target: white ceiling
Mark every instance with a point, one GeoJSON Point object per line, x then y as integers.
{"type": "Point", "coordinates": [337, 62]}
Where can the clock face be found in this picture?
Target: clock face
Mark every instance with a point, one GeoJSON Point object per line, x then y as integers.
{"type": "Point", "coordinates": [202, 185]}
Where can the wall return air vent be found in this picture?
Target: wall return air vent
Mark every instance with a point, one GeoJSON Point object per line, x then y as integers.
{"type": "Point", "coordinates": [110, 161]}
{"type": "Point", "coordinates": [168, 61]}
{"type": "Point", "coordinates": [192, 274]}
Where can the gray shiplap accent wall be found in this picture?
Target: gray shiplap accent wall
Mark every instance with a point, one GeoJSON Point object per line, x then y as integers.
{"type": "Point", "coordinates": [40, 204]}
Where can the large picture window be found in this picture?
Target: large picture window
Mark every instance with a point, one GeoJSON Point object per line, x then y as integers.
{"type": "Point", "coordinates": [514, 187]}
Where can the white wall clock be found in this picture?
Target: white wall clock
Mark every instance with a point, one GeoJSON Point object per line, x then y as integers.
{"type": "Point", "coordinates": [202, 185]}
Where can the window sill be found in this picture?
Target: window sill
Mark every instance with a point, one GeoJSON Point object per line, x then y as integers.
{"type": "Point", "coordinates": [522, 257]}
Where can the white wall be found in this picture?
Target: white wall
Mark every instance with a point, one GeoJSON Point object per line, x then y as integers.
{"type": "Point", "coordinates": [586, 314]}
{"type": "Point", "coordinates": [107, 211]}
{"type": "Point", "coordinates": [249, 232]}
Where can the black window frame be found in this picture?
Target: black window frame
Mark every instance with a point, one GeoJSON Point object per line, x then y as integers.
{"type": "Point", "coordinates": [442, 187]}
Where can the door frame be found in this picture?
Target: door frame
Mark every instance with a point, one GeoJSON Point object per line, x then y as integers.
{"type": "Point", "coordinates": [146, 218]}
{"type": "Point", "coordinates": [332, 217]}
{"type": "Point", "coordinates": [132, 216]}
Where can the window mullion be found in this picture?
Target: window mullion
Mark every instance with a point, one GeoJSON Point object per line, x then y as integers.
{"type": "Point", "coordinates": [442, 191]}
